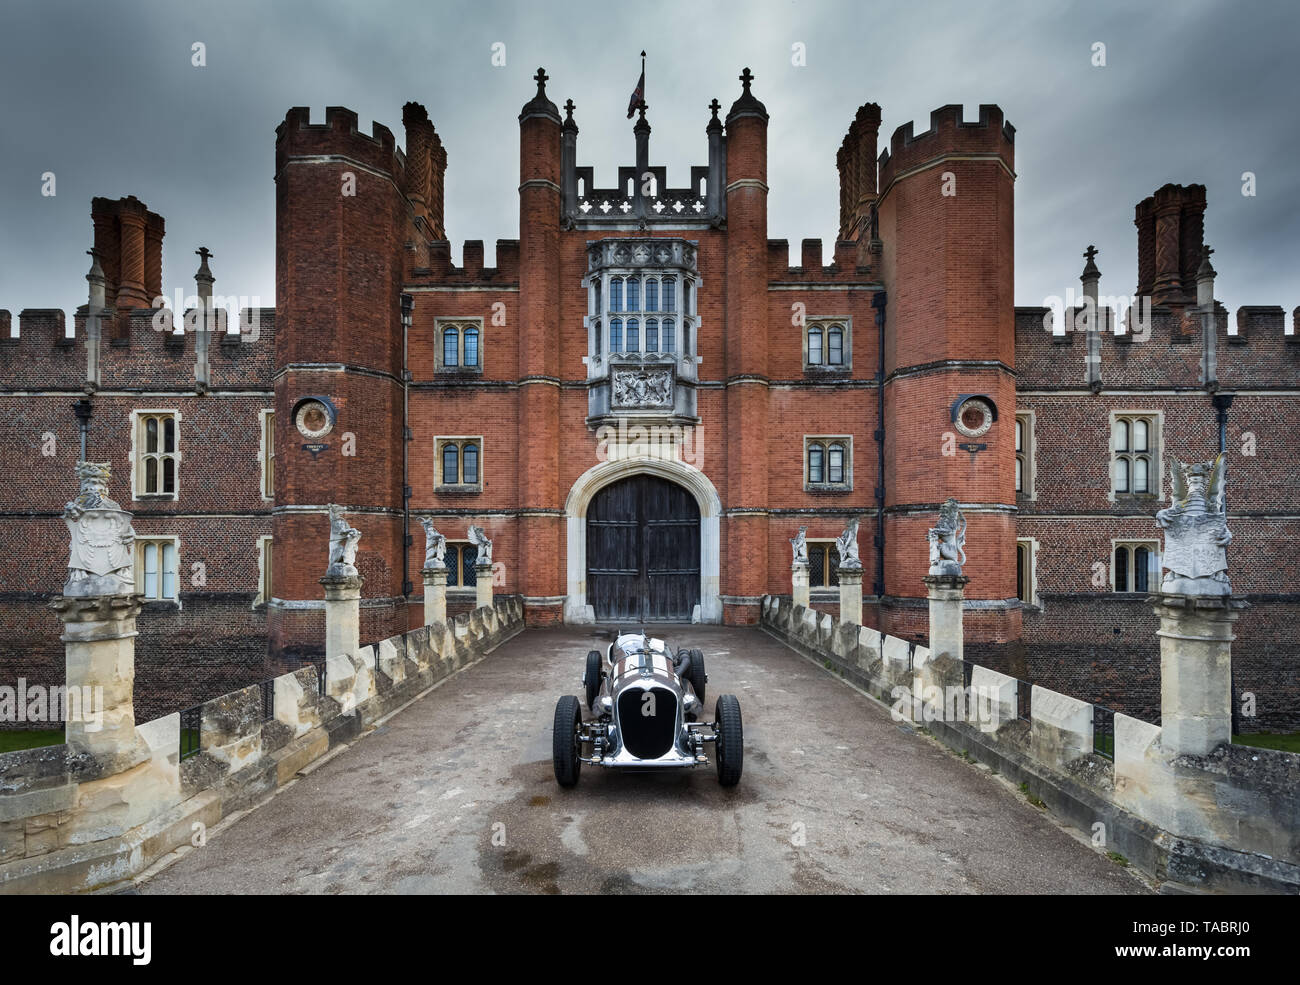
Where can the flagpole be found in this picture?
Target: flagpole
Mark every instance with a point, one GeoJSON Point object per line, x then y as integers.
{"type": "Point", "coordinates": [643, 75]}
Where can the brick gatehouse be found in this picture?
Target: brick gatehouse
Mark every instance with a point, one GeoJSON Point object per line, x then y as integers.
{"type": "Point", "coordinates": [642, 401]}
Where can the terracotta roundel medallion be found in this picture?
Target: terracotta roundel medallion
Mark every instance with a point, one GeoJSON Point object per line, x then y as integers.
{"type": "Point", "coordinates": [313, 419]}
{"type": "Point", "coordinates": [974, 417]}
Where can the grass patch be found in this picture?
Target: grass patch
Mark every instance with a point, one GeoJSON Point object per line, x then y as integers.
{"type": "Point", "coordinates": [1118, 859]}
{"type": "Point", "coordinates": [11, 740]}
{"type": "Point", "coordinates": [1032, 798]}
{"type": "Point", "coordinates": [1286, 742]}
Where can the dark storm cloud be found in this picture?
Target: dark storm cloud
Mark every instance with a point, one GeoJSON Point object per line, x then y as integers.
{"type": "Point", "coordinates": [105, 96]}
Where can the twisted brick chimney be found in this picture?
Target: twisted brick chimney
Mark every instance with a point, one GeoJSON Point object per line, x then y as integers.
{"type": "Point", "coordinates": [128, 241]}
{"type": "Point", "coordinates": [1171, 230]}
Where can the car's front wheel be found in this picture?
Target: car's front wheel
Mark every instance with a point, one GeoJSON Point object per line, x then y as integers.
{"type": "Point", "coordinates": [730, 745]}
{"type": "Point", "coordinates": [698, 677]}
{"type": "Point", "coordinates": [566, 743]}
{"type": "Point", "coordinates": [591, 677]}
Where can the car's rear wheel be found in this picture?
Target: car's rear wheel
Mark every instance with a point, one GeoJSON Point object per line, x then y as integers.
{"type": "Point", "coordinates": [730, 745]}
{"type": "Point", "coordinates": [591, 677]}
{"type": "Point", "coordinates": [698, 677]}
{"type": "Point", "coordinates": [565, 741]}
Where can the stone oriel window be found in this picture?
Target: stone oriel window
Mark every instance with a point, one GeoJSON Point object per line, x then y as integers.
{"type": "Point", "coordinates": [1135, 457]}
{"type": "Point", "coordinates": [633, 296]}
{"type": "Point", "coordinates": [458, 344]}
{"type": "Point", "coordinates": [823, 564]}
{"type": "Point", "coordinates": [156, 568]}
{"type": "Point", "coordinates": [828, 463]}
{"type": "Point", "coordinates": [827, 345]}
{"type": "Point", "coordinates": [459, 465]}
{"type": "Point", "coordinates": [1136, 566]}
{"type": "Point", "coordinates": [156, 440]}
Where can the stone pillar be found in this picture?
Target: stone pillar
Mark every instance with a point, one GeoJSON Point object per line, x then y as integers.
{"type": "Point", "coordinates": [946, 593]}
{"type": "Point", "coordinates": [342, 615]}
{"type": "Point", "coordinates": [799, 583]}
{"type": "Point", "coordinates": [435, 595]}
{"type": "Point", "coordinates": [1196, 671]}
{"type": "Point", "coordinates": [851, 596]}
{"type": "Point", "coordinates": [99, 643]}
{"type": "Point", "coordinates": [483, 582]}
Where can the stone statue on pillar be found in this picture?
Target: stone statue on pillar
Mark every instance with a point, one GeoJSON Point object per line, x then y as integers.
{"type": "Point", "coordinates": [101, 560]}
{"type": "Point", "coordinates": [948, 541]}
{"type": "Point", "coordinates": [435, 545]}
{"type": "Point", "coordinates": [800, 544]}
{"type": "Point", "coordinates": [344, 541]}
{"type": "Point", "coordinates": [1196, 529]}
{"type": "Point", "coordinates": [847, 544]}
{"type": "Point", "coordinates": [479, 538]}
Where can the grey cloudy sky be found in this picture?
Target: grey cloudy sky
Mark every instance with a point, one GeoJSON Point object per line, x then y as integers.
{"type": "Point", "coordinates": [104, 95]}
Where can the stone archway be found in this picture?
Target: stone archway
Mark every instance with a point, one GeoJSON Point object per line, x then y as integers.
{"type": "Point", "coordinates": [576, 607]}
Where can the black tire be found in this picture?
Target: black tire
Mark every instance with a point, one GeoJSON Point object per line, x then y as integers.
{"type": "Point", "coordinates": [564, 743]}
{"type": "Point", "coordinates": [591, 677]}
{"type": "Point", "coordinates": [730, 745]}
{"type": "Point", "coordinates": [698, 677]}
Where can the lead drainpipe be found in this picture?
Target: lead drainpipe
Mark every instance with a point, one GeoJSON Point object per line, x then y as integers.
{"type": "Point", "coordinates": [878, 301]}
{"type": "Point", "coordinates": [407, 586]}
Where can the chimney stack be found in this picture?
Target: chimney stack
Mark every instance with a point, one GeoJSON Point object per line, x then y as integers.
{"type": "Point", "coordinates": [857, 166]}
{"type": "Point", "coordinates": [1171, 226]}
{"type": "Point", "coordinates": [426, 166]}
{"type": "Point", "coordinates": [128, 242]}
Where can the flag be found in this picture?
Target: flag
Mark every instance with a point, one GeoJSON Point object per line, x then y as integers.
{"type": "Point", "coordinates": [637, 94]}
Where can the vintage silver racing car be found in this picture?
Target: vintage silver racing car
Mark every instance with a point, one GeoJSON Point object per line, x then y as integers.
{"type": "Point", "coordinates": [645, 700]}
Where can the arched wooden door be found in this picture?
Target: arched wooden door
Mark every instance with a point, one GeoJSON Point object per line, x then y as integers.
{"type": "Point", "coordinates": [643, 551]}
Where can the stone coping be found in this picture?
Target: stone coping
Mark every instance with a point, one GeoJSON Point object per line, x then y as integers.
{"type": "Point", "coordinates": [68, 824]}
{"type": "Point", "coordinates": [1225, 822]}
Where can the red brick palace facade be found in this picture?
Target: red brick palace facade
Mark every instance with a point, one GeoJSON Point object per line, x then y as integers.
{"type": "Point", "coordinates": [642, 401]}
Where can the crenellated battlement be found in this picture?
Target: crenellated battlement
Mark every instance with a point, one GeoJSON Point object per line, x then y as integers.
{"type": "Point", "coordinates": [949, 133]}
{"type": "Point", "coordinates": [338, 136]}
{"type": "Point", "coordinates": [1170, 326]}
{"type": "Point", "coordinates": [812, 267]}
{"type": "Point", "coordinates": [472, 270]}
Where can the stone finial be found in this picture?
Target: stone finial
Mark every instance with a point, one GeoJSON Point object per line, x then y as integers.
{"type": "Point", "coordinates": [1090, 271]}
{"type": "Point", "coordinates": [747, 104]}
{"type": "Point", "coordinates": [101, 559]}
{"type": "Point", "coordinates": [1196, 529]}
{"type": "Point", "coordinates": [435, 546]}
{"type": "Point", "coordinates": [344, 541]}
{"type": "Point", "coordinates": [847, 544]}
{"type": "Point", "coordinates": [948, 541]}
{"type": "Point", "coordinates": [800, 544]}
{"type": "Point", "coordinates": [204, 275]}
{"type": "Point", "coordinates": [540, 105]}
{"type": "Point", "coordinates": [479, 538]}
{"type": "Point", "coordinates": [98, 283]}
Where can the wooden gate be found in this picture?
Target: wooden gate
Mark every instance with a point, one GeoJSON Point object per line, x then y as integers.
{"type": "Point", "coordinates": [643, 551]}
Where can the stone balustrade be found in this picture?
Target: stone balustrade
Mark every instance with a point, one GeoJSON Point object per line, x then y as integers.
{"type": "Point", "coordinates": [1224, 821]}
{"type": "Point", "coordinates": [72, 822]}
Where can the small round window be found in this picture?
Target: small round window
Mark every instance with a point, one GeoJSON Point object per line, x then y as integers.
{"type": "Point", "coordinates": [974, 417]}
{"type": "Point", "coordinates": [313, 419]}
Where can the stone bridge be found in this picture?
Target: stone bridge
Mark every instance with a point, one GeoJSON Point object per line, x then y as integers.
{"type": "Point", "coordinates": [422, 763]}
{"type": "Point", "coordinates": [455, 793]}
